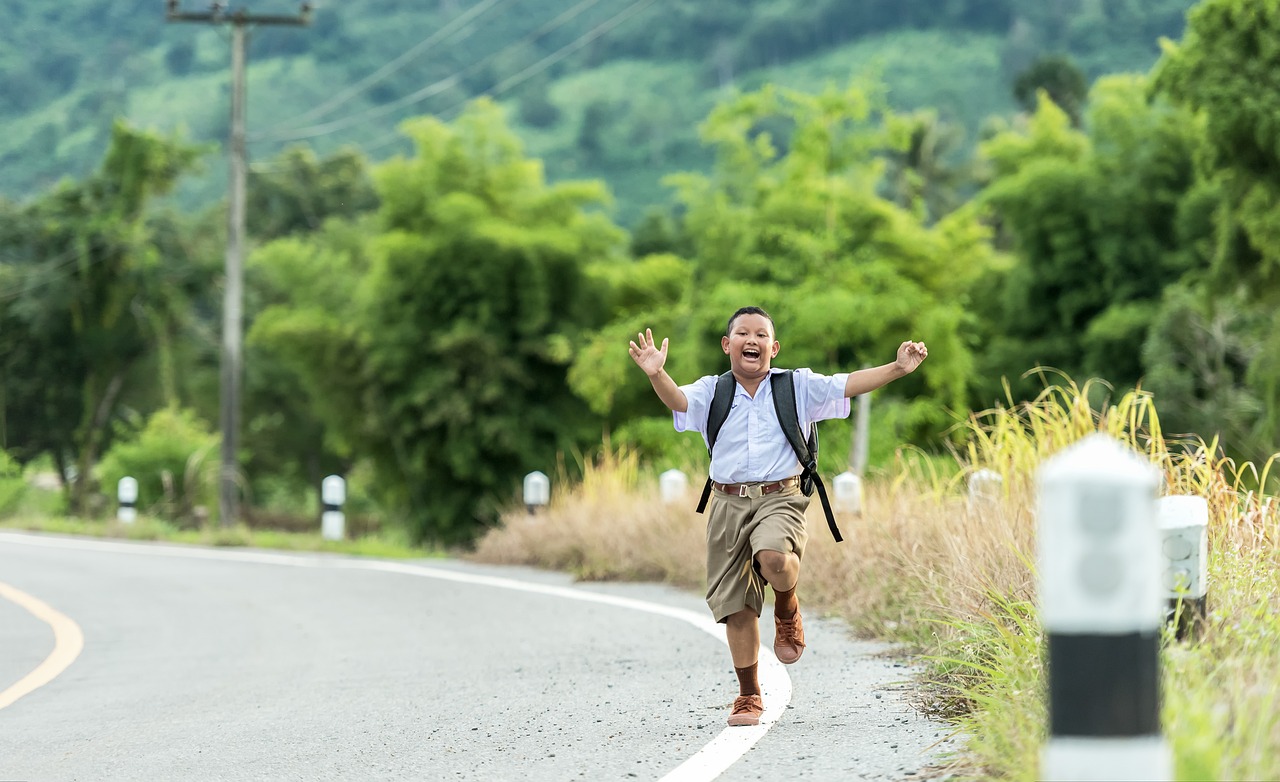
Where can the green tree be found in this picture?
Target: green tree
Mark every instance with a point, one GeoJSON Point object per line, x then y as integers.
{"type": "Point", "coordinates": [1227, 71]}
{"type": "Point", "coordinates": [846, 273]}
{"type": "Point", "coordinates": [297, 192]}
{"type": "Point", "coordinates": [450, 363]}
{"type": "Point", "coordinates": [1058, 76]}
{"type": "Point", "coordinates": [67, 352]}
{"type": "Point", "coordinates": [1097, 221]}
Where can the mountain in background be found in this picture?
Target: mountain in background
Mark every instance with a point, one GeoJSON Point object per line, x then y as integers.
{"type": "Point", "coordinates": [610, 89]}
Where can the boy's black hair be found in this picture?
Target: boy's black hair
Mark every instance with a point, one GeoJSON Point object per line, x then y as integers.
{"type": "Point", "coordinates": [728, 327]}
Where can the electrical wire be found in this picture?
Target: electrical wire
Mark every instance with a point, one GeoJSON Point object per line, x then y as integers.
{"type": "Point", "coordinates": [387, 69]}
{"type": "Point", "coordinates": [429, 90]}
{"type": "Point", "coordinates": [533, 70]}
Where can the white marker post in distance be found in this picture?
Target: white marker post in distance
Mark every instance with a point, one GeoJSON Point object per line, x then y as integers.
{"type": "Point", "coordinates": [674, 486]}
{"type": "Point", "coordinates": [1102, 609]}
{"type": "Point", "coordinates": [847, 488]}
{"type": "Point", "coordinates": [1184, 544]}
{"type": "Point", "coordinates": [333, 492]}
{"type": "Point", "coordinates": [127, 495]}
{"type": "Point", "coordinates": [537, 491]}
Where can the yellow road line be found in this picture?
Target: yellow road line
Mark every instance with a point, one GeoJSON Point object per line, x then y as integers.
{"type": "Point", "coordinates": [68, 641]}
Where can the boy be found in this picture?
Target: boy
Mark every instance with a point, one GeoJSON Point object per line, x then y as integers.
{"type": "Point", "coordinates": [752, 540]}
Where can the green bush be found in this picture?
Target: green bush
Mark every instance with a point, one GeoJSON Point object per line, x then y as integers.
{"type": "Point", "coordinates": [173, 457]}
{"type": "Point", "coordinates": [12, 487]}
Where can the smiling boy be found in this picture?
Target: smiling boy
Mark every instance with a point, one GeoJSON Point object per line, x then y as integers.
{"type": "Point", "coordinates": [756, 525]}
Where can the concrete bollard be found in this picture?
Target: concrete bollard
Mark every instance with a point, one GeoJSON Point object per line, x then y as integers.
{"type": "Point", "coordinates": [847, 488]}
{"type": "Point", "coordinates": [127, 495]}
{"type": "Point", "coordinates": [333, 492]}
{"type": "Point", "coordinates": [1184, 545]}
{"type": "Point", "coordinates": [1101, 609]}
{"type": "Point", "coordinates": [984, 488]}
{"type": "Point", "coordinates": [674, 485]}
{"type": "Point", "coordinates": [537, 491]}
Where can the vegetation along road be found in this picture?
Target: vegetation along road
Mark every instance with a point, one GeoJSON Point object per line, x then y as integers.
{"type": "Point", "coordinates": [212, 664]}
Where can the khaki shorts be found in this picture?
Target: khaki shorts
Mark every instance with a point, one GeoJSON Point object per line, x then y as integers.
{"type": "Point", "coordinates": [737, 529]}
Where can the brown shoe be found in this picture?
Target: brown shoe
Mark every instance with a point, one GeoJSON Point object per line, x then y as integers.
{"type": "Point", "coordinates": [788, 639]}
{"type": "Point", "coordinates": [746, 710]}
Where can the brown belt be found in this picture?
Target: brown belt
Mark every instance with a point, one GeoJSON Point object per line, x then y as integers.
{"type": "Point", "coordinates": [756, 490]}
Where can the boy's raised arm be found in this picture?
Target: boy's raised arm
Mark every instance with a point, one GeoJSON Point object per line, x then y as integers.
{"type": "Point", "coordinates": [652, 359]}
{"type": "Point", "coordinates": [910, 354]}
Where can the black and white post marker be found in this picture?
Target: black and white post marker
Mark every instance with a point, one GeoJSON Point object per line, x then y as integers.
{"type": "Point", "coordinates": [333, 522]}
{"type": "Point", "coordinates": [1102, 609]}
{"type": "Point", "coordinates": [1184, 546]}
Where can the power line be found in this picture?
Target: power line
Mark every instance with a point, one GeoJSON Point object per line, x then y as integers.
{"type": "Point", "coordinates": [533, 70]}
{"type": "Point", "coordinates": [429, 90]}
{"type": "Point", "coordinates": [388, 69]}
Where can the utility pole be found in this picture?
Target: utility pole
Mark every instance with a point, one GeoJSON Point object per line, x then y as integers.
{"type": "Point", "coordinates": [233, 295]}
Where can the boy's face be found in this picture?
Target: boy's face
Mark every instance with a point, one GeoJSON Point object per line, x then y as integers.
{"type": "Point", "coordinates": [750, 345]}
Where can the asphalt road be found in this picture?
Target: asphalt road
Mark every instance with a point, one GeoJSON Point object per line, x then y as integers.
{"type": "Point", "coordinates": [203, 664]}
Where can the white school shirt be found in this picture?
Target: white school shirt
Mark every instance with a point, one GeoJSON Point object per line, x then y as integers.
{"type": "Point", "coordinates": [751, 446]}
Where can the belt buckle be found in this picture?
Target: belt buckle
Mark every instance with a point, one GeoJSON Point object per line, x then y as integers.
{"type": "Point", "coordinates": [753, 491]}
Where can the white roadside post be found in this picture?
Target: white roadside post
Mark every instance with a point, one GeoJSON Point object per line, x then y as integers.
{"type": "Point", "coordinates": [674, 485]}
{"type": "Point", "coordinates": [127, 495]}
{"type": "Point", "coordinates": [1184, 544]}
{"type": "Point", "coordinates": [1101, 609]}
{"type": "Point", "coordinates": [333, 492]}
{"type": "Point", "coordinates": [984, 488]}
{"type": "Point", "coordinates": [537, 491]}
{"type": "Point", "coordinates": [847, 488]}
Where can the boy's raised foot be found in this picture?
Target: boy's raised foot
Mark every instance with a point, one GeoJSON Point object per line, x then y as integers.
{"type": "Point", "coordinates": [788, 639]}
{"type": "Point", "coordinates": [746, 710]}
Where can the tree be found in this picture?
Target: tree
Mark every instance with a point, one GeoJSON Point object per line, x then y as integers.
{"type": "Point", "coordinates": [1098, 221]}
{"type": "Point", "coordinates": [1226, 71]}
{"type": "Point", "coordinates": [297, 192]}
{"type": "Point", "coordinates": [450, 362]}
{"type": "Point", "coordinates": [1058, 76]}
{"type": "Point", "coordinates": [804, 233]}
{"type": "Point", "coordinates": [67, 353]}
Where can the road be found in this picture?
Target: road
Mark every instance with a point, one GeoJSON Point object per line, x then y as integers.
{"type": "Point", "coordinates": [206, 664]}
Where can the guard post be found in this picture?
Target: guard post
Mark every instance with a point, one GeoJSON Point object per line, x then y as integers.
{"type": "Point", "coordinates": [537, 491]}
{"type": "Point", "coordinates": [127, 496]}
{"type": "Point", "coordinates": [333, 492]}
{"type": "Point", "coordinates": [847, 488]}
{"type": "Point", "coordinates": [1101, 610]}
{"type": "Point", "coordinates": [1184, 545]}
{"type": "Point", "coordinates": [674, 485]}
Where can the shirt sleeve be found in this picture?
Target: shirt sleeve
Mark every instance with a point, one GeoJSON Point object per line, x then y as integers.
{"type": "Point", "coordinates": [698, 394]}
{"type": "Point", "coordinates": [821, 397]}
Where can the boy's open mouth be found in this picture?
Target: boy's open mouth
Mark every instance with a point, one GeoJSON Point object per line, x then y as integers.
{"type": "Point", "coordinates": [750, 353]}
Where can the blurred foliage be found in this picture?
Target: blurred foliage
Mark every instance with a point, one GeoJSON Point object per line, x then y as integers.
{"type": "Point", "coordinates": [97, 63]}
{"type": "Point", "coordinates": [174, 458]}
{"type": "Point", "coordinates": [12, 485]}
{"type": "Point", "coordinates": [85, 302]}
{"type": "Point", "coordinates": [1095, 218]}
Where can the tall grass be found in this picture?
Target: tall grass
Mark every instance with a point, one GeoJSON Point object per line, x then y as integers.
{"type": "Point", "coordinates": [955, 579]}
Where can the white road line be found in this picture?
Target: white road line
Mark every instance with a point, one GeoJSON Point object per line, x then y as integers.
{"type": "Point", "coordinates": [706, 764]}
{"type": "Point", "coordinates": [68, 641]}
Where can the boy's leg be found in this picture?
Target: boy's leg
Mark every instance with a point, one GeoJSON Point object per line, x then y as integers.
{"type": "Point", "coordinates": [743, 632]}
{"type": "Point", "coordinates": [782, 571]}
{"type": "Point", "coordinates": [779, 541]}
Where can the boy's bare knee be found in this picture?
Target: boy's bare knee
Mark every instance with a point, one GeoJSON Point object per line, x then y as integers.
{"type": "Point", "coordinates": [772, 562]}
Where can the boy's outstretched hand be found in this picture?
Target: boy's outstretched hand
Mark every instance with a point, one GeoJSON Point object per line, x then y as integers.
{"type": "Point", "coordinates": [910, 354]}
{"type": "Point", "coordinates": [647, 355]}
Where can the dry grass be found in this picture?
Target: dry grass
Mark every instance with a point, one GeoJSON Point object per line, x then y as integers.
{"type": "Point", "coordinates": [611, 526]}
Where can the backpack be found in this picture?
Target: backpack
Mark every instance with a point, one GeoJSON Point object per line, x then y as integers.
{"type": "Point", "coordinates": [784, 404]}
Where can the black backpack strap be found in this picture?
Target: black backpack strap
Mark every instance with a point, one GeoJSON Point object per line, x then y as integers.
{"type": "Point", "coordinates": [784, 404]}
{"type": "Point", "coordinates": [721, 403]}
